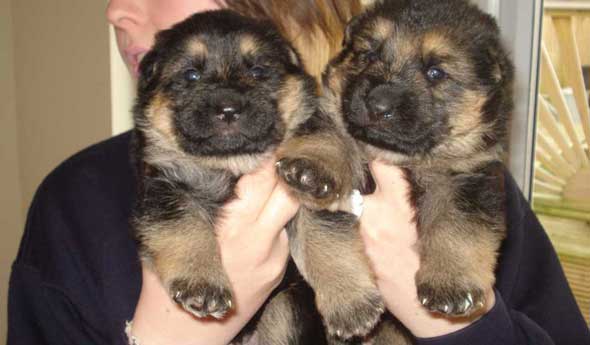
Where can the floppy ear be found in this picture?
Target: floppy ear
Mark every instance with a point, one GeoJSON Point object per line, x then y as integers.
{"type": "Point", "coordinates": [294, 56]}
{"type": "Point", "coordinates": [350, 27]}
{"type": "Point", "coordinates": [148, 70]}
{"type": "Point", "coordinates": [501, 66]}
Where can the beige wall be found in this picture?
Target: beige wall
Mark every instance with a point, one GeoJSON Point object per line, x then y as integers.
{"type": "Point", "coordinates": [55, 101]}
{"type": "Point", "coordinates": [10, 197]}
{"type": "Point", "coordinates": [62, 82]}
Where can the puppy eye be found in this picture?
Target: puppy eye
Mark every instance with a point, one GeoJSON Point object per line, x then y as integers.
{"type": "Point", "coordinates": [258, 72]}
{"type": "Point", "coordinates": [435, 74]}
{"type": "Point", "coordinates": [192, 75]}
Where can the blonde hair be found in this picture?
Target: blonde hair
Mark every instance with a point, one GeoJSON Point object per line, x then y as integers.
{"type": "Point", "coordinates": [314, 27]}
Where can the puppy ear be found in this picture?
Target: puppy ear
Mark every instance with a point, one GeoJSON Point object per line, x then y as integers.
{"type": "Point", "coordinates": [501, 67]}
{"type": "Point", "coordinates": [148, 69]}
{"type": "Point", "coordinates": [350, 28]}
{"type": "Point", "coordinates": [294, 56]}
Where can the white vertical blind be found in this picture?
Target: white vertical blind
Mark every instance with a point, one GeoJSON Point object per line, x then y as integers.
{"type": "Point", "coordinates": [122, 90]}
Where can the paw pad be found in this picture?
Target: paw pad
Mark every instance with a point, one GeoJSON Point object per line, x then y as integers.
{"type": "Point", "coordinates": [453, 302]}
{"type": "Point", "coordinates": [202, 300]}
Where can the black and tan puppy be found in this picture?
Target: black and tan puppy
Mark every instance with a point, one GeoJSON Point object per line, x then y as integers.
{"type": "Point", "coordinates": [217, 95]}
{"type": "Point", "coordinates": [426, 86]}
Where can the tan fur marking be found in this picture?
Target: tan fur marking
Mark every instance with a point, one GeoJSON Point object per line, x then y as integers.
{"type": "Point", "coordinates": [335, 77]}
{"type": "Point", "coordinates": [291, 102]}
{"type": "Point", "coordinates": [336, 293]}
{"type": "Point", "coordinates": [276, 323]}
{"type": "Point", "coordinates": [388, 332]}
{"type": "Point", "coordinates": [177, 254]}
{"type": "Point", "coordinates": [467, 127]}
{"type": "Point", "coordinates": [403, 49]}
{"type": "Point", "coordinates": [435, 43]}
{"type": "Point", "coordinates": [468, 115]}
{"type": "Point", "coordinates": [237, 165]}
{"type": "Point", "coordinates": [440, 264]}
{"type": "Point", "coordinates": [388, 156]}
{"type": "Point", "coordinates": [453, 59]}
{"type": "Point", "coordinates": [383, 29]}
{"type": "Point", "coordinates": [161, 118]}
{"type": "Point", "coordinates": [248, 45]}
{"type": "Point", "coordinates": [197, 48]}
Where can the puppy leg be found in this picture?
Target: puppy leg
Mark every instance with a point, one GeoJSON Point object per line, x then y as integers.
{"type": "Point", "coordinates": [387, 332]}
{"type": "Point", "coordinates": [290, 318]}
{"type": "Point", "coordinates": [329, 253]}
{"type": "Point", "coordinates": [390, 332]}
{"type": "Point", "coordinates": [459, 243]}
{"type": "Point", "coordinates": [177, 240]}
{"type": "Point", "coordinates": [320, 163]}
{"type": "Point", "coordinates": [455, 272]}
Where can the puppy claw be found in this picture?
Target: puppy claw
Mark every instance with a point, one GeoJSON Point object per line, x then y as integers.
{"type": "Point", "coordinates": [202, 299]}
{"type": "Point", "coordinates": [424, 301]}
{"type": "Point", "coordinates": [451, 301]}
{"type": "Point", "coordinates": [325, 188]}
{"type": "Point", "coordinates": [306, 177]}
{"type": "Point", "coordinates": [357, 320]}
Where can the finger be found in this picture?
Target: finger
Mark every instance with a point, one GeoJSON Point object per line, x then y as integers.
{"type": "Point", "coordinates": [278, 210]}
{"type": "Point", "coordinates": [253, 190]}
{"type": "Point", "coordinates": [393, 188]}
{"type": "Point", "coordinates": [370, 211]}
{"type": "Point", "coordinates": [389, 180]}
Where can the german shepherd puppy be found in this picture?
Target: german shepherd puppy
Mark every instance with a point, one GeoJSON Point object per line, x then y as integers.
{"type": "Point", "coordinates": [217, 95]}
{"type": "Point", "coordinates": [425, 86]}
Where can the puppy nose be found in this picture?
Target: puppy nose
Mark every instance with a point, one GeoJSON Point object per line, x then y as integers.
{"type": "Point", "coordinates": [380, 108]}
{"type": "Point", "coordinates": [382, 103]}
{"type": "Point", "coordinates": [229, 113]}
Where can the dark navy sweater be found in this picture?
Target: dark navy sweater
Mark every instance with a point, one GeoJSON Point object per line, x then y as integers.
{"type": "Point", "coordinates": [77, 278]}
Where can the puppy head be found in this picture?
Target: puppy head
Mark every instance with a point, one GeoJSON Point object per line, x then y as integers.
{"type": "Point", "coordinates": [219, 85]}
{"type": "Point", "coordinates": [422, 78]}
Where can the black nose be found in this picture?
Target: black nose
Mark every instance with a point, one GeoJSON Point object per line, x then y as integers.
{"type": "Point", "coordinates": [229, 113]}
{"type": "Point", "coordinates": [226, 105]}
{"type": "Point", "coordinates": [382, 103]}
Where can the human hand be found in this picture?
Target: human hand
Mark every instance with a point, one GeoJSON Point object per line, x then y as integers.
{"type": "Point", "coordinates": [389, 233]}
{"type": "Point", "coordinates": [254, 251]}
{"type": "Point", "coordinates": [252, 239]}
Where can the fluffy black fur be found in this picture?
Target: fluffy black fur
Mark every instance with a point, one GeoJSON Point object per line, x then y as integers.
{"type": "Point", "coordinates": [425, 86]}
{"type": "Point", "coordinates": [217, 95]}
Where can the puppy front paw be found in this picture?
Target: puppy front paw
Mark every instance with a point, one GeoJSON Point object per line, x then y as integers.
{"type": "Point", "coordinates": [308, 178]}
{"type": "Point", "coordinates": [450, 298]}
{"type": "Point", "coordinates": [202, 298]}
{"type": "Point", "coordinates": [353, 316]}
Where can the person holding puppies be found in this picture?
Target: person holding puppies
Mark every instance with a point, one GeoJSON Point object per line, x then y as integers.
{"type": "Point", "coordinates": [77, 278]}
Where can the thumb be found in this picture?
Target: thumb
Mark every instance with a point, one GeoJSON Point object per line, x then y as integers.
{"type": "Point", "coordinates": [253, 191]}
{"type": "Point", "coordinates": [390, 180]}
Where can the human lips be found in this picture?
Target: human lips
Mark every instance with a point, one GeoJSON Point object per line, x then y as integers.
{"type": "Point", "coordinates": [133, 56]}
